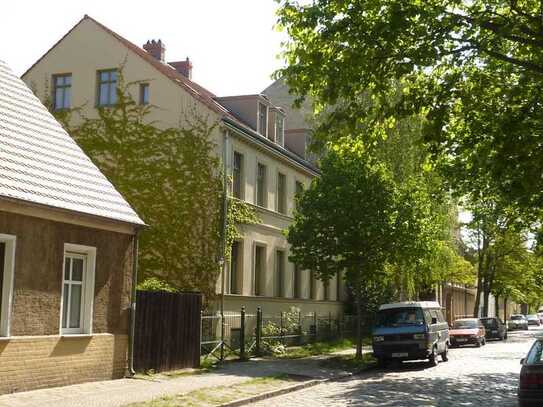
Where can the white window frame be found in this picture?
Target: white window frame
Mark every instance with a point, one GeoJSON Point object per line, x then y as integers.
{"type": "Point", "coordinates": [7, 286]}
{"type": "Point", "coordinates": [280, 135]}
{"type": "Point", "coordinates": [87, 291]}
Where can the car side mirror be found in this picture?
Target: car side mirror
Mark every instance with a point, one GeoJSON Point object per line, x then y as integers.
{"type": "Point", "coordinates": [522, 361]}
{"type": "Point", "coordinates": [434, 321]}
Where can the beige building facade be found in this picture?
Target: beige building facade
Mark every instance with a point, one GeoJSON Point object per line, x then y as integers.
{"type": "Point", "coordinates": [81, 70]}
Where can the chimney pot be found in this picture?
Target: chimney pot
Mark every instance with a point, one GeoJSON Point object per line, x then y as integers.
{"type": "Point", "coordinates": [183, 67]}
{"type": "Point", "coordinates": [156, 48]}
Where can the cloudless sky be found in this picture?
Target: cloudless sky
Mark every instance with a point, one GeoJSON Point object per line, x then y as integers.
{"type": "Point", "coordinates": [232, 44]}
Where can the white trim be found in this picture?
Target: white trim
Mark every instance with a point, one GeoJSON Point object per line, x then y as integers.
{"type": "Point", "coordinates": [87, 301]}
{"type": "Point", "coordinates": [8, 283]}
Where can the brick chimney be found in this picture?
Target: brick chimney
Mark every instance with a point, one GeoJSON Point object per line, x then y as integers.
{"type": "Point", "coordinates": [183, 67]}
{"type": "Point", "coordinates": [156, 48]}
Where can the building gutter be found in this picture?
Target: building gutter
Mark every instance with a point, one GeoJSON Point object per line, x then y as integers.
{"type": "Point", "coordinates": [132, 327]}
{"type": "Point", "coordinates": [268, 146]}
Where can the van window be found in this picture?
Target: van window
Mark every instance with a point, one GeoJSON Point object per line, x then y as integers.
{"type": "Point", "coordinates": [401, 316]}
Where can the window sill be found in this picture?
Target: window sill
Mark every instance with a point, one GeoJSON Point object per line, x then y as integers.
{"type": "Point", "coordinates": [75, 336]}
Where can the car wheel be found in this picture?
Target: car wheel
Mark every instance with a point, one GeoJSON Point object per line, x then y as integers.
{"type": "Point", "coordinates": [478, 343]}
{"type": "Point", "coordinates": [505, 336]}
{"type": "Point", "coordinates": [382, 363]}
{"type": "Point", "coordinates": [484, 341]}
{"type": "Point", "coordinates": [433, 357]}
{"type": "Point", "coordinates": [445, 354]}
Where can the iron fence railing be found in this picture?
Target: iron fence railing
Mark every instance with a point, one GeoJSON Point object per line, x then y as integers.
{"type": "Point", "coordinates": [247, 335]}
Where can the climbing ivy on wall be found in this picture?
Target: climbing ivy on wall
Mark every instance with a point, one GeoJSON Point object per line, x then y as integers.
{"type": "Point", "coordinates": [173, 179]}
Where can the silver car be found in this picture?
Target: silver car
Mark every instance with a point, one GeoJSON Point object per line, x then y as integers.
{"type": "Point", "coordinates": [517, 321]}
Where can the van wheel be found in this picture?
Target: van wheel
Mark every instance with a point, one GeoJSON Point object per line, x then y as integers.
{"type": "Point", "coordinates": [382, 363]}
{"type": "Point", "coordinates": [433, 357]}
{"type": "Point", "coordinates": [445, 354]}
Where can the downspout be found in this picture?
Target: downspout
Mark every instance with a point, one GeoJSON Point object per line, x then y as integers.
{"type": "Point", "coordinates": [132, 328]}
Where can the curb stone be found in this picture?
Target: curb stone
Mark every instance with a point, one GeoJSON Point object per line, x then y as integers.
{"type": "Point", "coordinates": [290, 389]}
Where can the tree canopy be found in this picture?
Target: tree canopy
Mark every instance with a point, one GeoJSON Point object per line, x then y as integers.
{"type": "Point", "coordinates": [472, 68]}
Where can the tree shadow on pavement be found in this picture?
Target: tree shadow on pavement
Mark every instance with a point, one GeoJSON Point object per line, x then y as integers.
{"type": "Point", "coordinates": [468, 390]}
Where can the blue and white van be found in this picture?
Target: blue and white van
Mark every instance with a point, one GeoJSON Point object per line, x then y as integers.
{"type": "Point", "coordinates": [410, 331]}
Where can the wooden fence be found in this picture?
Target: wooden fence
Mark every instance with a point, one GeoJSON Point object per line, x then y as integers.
{"type": "Point", "coordinates": [167, 333]}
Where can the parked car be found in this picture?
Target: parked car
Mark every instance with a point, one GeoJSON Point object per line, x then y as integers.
{"type": "Point", "coordinates": [533, 319]}
{"type": "Point", "coordinates": [540, 315]}
{"type": "Point", "coordinates": [467, 331]}
{"type": "Point", "coordinates": [530, 389]}
{"type": "Point", "coordinates": [517, 321]}
{"type": "Point", "coordinates": [410, 331]}
{"type": "Point", "coordinates": [494, 328]}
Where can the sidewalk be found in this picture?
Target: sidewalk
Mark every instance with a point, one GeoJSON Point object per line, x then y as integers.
{"type": "Point", "coordinates": [115, 393]}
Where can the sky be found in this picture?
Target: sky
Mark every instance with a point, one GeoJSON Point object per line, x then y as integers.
{"type": "Point", "coordinates": [232, 44]}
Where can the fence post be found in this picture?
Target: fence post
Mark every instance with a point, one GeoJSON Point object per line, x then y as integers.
{"type": "Point", "coordinates": [242, 334]}
{"type": "Point", "coordinates": [300, 329]}
{"type": "Point", "coordinates": [281, 330]}
{"type": "Point", "coordinates": [258, 331]}
{"type": "Point", "coordinates": [315, 323]}
{"type": "Point", "coordinates": [329, 325]}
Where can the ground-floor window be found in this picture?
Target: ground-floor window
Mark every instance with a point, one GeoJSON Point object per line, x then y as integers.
{"type": "Point", "coordinates": [235, 268]}
{"type": "Point", "coordinates": [312, 285]}
{"type": "Point", "coordinates": [297, 282]}
{"type": "Point", "coordinates": [259, 269]}
{"type": "Point", "coordinates": [279, 273]}
{"type": "Point", "coordinates": [7, 270]}
{"type": "Point", "coordinates": [77, 289]}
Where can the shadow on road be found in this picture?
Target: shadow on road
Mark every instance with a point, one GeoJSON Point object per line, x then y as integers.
{"type": "Point", "coordinates": [467, 390]}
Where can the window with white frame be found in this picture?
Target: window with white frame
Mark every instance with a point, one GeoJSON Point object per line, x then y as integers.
{"type": "Point", "coordinates": [279, 130]}
{"type": "Point", "coordinates": [7, 270]}
{"type": "Point", "coordinates": [77, 289]}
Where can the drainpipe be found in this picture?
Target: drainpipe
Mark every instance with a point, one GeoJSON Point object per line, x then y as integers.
{"type": "Point", "coordinates": [222, 260]}
{"type": "Point", "coordinates": [132, 328]}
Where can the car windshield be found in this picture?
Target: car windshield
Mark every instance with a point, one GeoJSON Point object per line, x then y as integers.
{"type": "Point", "coordinates": [532, 317]}
{"type": "Point", "coordinates": [465, 324]}
{"type": "Point", "coordinates": [517, 317]}
{"type": "Point", "coordinates": [534, 355]}
{"type": "Point", "coordinates": [489, 323]}
{"type": "Point", "coordinates": [400, 316]}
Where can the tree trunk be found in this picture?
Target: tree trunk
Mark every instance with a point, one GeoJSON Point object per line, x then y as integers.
{"type": "Point", "coordinates": [505, 309]}
{"type": "Point", "coordinates": [486, 293]}
{"type": "Point", "coordinates": [497, 306]}
{"type": "Point", "coordinates": [478, 295]}
{"type": "Point", "coordinates": [358, 323]}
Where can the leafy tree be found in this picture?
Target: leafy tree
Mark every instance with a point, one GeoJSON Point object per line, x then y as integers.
{"type": "Point", "coordinates": [355, 220]}
{"type": "Point", "coordinates": [173, 179]}
{"type": "Point", "coordinates": [472, 68]}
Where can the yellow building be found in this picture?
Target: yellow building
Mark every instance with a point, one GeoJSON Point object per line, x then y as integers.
{"type": "Point", "coordinates": [81, 70]}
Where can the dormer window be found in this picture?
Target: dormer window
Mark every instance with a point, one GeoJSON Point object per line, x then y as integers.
{"type": "Point", "coordinates": [262, 119]}
{"type": "Point", "coordinates": [279, 130]}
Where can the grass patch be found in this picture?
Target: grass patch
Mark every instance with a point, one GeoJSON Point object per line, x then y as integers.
{"type": "Point", "coordinates": [349, 362]}
{"type": "Point", "coordinates": [315, 349]}
{"type": "Point", "coordinates": [212, 396]}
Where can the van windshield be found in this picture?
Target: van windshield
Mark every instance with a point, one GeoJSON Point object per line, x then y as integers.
{"type": "Point", "coordinates": [400, 316]}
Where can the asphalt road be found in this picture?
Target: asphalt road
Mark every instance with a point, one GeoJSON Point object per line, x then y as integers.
{"type": "Point", "coordinates": [486, 376]}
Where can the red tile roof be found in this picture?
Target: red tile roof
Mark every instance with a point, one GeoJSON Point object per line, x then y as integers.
{"type": "Point", "coordinates": [198, 92]}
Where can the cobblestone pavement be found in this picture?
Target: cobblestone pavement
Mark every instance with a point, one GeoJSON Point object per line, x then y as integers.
{"type": "Point", "coordinates": [486, 376]}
